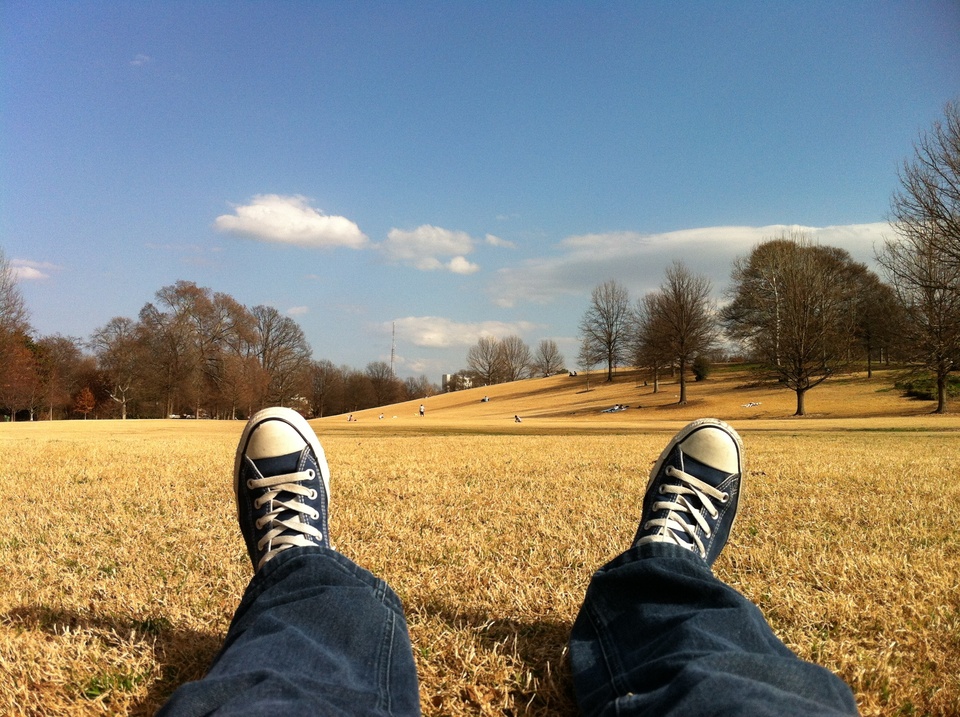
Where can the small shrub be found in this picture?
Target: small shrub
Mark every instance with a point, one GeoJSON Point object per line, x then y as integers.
{"type": "Point", "coordinates": [924, 388]}
{"type": "Point", "coordinates": [701, 368]}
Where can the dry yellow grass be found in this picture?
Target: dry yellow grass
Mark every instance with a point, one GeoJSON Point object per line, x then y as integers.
{"type": "Point", "coordinates": [121, 563]}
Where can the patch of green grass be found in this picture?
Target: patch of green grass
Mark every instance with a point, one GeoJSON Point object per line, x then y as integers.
{"type": "Point", "coordinates": [99, 685]}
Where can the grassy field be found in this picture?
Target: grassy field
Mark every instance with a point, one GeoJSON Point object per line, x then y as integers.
{"type": "Point", "coordinates": [121, 562]}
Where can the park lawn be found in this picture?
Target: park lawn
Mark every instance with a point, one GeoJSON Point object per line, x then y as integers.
{"type": "Point", "coordinates": [122, 565]}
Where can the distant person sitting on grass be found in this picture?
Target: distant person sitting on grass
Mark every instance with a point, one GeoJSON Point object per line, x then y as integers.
{"type": "Point", "coordinates": [658, 633]}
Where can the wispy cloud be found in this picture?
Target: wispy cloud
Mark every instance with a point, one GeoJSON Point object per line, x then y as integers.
{"type": "Point", "coordinates": [494, 240]}
{"type": "Point", "coordinates": [26, 270]}
{"type": "Point", "coordinates": [638, 260]}
{"type": "Point", "coordinates": [140, 60]}
{"type": "Point", "coordinates": [291, 220]}
{"type": "Point", "coordinates": [298, 310]}
{"type": "Point", "coordinates": [439, 332]}
{"type": "Point", "coordinates": [427, 248]}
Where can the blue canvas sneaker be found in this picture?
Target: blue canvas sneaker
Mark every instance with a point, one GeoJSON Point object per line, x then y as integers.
{"type": "Point", "coordinates": [282, 484]}
{"type": "Point", "coordinates": [694, 489]}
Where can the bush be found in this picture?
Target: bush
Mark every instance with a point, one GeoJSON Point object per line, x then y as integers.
{"type": "Point", "coordinates": [925, 387]}
{"type": "Point", "coordinates": [701, 368]}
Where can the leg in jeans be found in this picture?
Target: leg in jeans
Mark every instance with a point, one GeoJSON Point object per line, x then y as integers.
{"type": "Point", "coordinates": [314, 633]}
{"type": "Point", "coordinates": [658, 634]}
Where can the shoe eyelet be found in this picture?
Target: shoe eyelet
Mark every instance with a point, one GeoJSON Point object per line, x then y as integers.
{"type": "Point", "coordinates": [662, 489]}
{"type": "Point", "coordinates": [316, 515]}
{"type": "Point", "coordinates": [257, 504]}
{"type": "Point", "coordinates": [311, 473]}
{"type": "Point", "coordinates": [312, 495]}
{"type": "Point", "coordinates": [725, 498]}
{"type": "Point", "coordinates": [259, 524]}
{"type": "Point", "coordinates": [249, 483]}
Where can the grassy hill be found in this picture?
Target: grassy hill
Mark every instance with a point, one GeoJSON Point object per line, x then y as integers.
{"type": "Point", "coordinates": [733, 393]}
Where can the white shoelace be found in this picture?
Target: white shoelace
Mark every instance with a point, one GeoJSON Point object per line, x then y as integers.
{"type": "Point", "coordinates": [284, 534]}
{"type": "Point", "coordinates": [672, 526]}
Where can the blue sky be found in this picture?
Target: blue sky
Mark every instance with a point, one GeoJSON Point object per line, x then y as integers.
{"type": "Point", "coordinates": [456, 168]}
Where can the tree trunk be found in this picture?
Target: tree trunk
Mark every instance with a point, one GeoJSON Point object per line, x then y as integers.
{"type": "Point", "coordinates": [801, 407]}
{"type": "Point", "coordinates": [941, 394]}
{"type": "Point", "coordinates": [683, 383]}
{"type": "Point", "coordinates": [869, 364]}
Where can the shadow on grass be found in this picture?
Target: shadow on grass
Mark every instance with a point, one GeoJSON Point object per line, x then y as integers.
{"type": "Point", "coordinates": [181, 655]}
{"type": "Point", "coordinates": [540, 646]}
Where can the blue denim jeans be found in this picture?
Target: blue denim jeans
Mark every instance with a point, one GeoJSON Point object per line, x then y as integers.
{"type": "Point", "coordinates": [658, 634]}
{"type": "Point", "coordinates": [314, 634]}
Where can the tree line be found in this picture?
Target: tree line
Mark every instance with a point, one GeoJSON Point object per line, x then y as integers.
{"type": "Point", "coordinates": [191, 352]}
{"type": "Point", "coordinates": [799, 311]}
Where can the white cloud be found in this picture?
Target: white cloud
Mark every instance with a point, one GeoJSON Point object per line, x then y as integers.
{"type": "Point", "coordinates": [493, 240]}
{"type": "Point", "coordinates": [638, 260]}
{"type": "Point", "coordinates": [424, 247]}
{"type": "Point", "coordinates": [297, 310]}
{"type": "Point", "coordinates": [460, 265]}
{"type": "Point", "coordinates": [26, 270]}
{"type": "Point", "coordinates": [291, 220]}
{"type": "Point", "coordinates": [439, 332]}
{"type": "Point", "coordinates": [140, 60]}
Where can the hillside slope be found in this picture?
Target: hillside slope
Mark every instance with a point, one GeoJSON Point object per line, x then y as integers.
{"type": "Point", "coordinates": [731, 393]}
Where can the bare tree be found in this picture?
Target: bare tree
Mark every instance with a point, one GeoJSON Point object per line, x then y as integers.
{"type": "Point", "coordinates": [169, 356]}
{"type": "Point", "coordinates": [649, 344]}
{"type": "Point", "coordinates": [927, 285]}
{"type": "Point", "coordinates": [547, 360]}
{"type": "Point", "coordinates": [419, 387]}
{"type": "Point", "coordinates": [923, 262]}
{"type": "Point", "coordinates": [925, 210]}
{"type": "Point", "coordinates": [386, 387]}
{"type": "Point", "coordinates": [19, 379]}
{"type": "Point", "coordinates": [283, 352]}
{"type": "Point", "coordinates": [119, 352]}
{"type": "Point", "coordinates": [18, 375]}
{"type": "Point", "coordinates": [792, 304]}
{"type": "Point", "coordinates": [515, 358]}
{"type": "Point", "coordinates": [878, 325]}
{"type": "Point", "coordinates": [604, 329]}
{"type": "Point", "coordinates": [325, 387]}
{"type": "Point", "coordinates": [688, 316]}
{"type": "Point", "coordinates": [485, 360]}
{"type": "Point", "coordinates": [58, 361]}
{"type": "Point", "coordinates": [13, 312]}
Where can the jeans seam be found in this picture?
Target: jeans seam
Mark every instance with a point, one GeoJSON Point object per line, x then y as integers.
{"type": "Point", "coordinates": [607, 651]}
{"type": "Point", "coordinates": [385, 660]}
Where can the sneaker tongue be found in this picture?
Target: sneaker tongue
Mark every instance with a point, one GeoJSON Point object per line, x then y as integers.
{"type": "Point", "coordinates": [278, 465]}
{"type": "Point", "coordinates": [708, 474]}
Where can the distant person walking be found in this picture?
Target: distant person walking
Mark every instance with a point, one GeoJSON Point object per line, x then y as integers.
{"type": "Point", "coordinates": [422, 409]}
